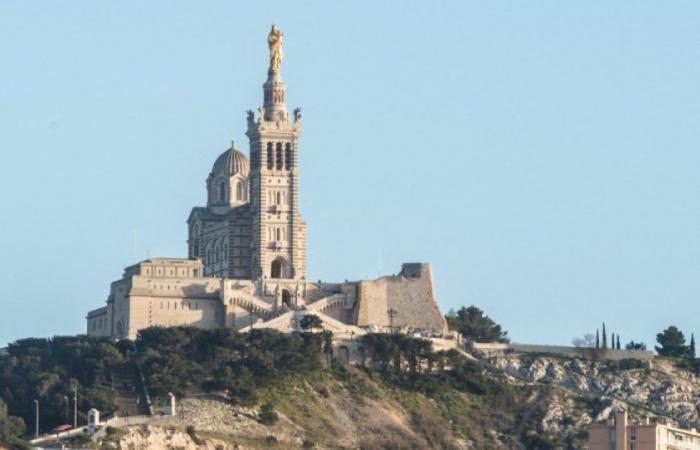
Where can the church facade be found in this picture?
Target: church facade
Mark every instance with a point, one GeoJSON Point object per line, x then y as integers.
{"type": "Point", "coordinates": [246, 264]}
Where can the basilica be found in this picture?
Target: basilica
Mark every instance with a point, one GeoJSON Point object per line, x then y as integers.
{"type": "Point", "coordinates": [246, 264]}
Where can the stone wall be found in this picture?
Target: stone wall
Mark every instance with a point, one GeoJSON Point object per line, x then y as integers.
{"type": "Point", "coordinates": [410, 294]}
{"type": "Point", "coordinates": [98, 323]}
{"type": "Point", "coordinates": [574, 352]}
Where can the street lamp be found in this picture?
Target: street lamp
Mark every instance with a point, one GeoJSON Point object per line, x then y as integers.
{"type": "Point", "coordinates": [36, 423]}
{"type": "Point", "coordinates": [392, 313]}
{"type": "Point", "coordinates": [65, 397]}
{"type": "Point", "coordinates": [75, 407]}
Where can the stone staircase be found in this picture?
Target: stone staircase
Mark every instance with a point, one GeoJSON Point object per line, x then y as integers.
{"type": "Point", "coordinates": [330, 302]}
{"type": "Point", "coordinates": [130, 400]}
{"type": "Point", "coordinates": [248, 302]}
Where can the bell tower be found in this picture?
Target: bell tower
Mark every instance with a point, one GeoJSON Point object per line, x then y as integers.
{"type": "Point", "coordinates": [279, 234]}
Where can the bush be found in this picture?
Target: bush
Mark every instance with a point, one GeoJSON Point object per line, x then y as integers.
{"type": "Point", "coordinates": [267, 415]}
{"type": "Point", "coordinates": [193, 435]}
{"type": "Point", "coordinates": [82, 440]}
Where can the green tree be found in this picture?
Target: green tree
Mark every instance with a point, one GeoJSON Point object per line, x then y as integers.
{"type": "Point", "coordinates": [605, 337]}
{"type": "Point", "coordinates": [310, 322]}
{"type": "Point", "coordinates": [631, 345]}
{"type": "Point", "coordinates": [11, 428]}
{"type": "Point", "coordinates": [475, 325]}
{"type": "Point", "coordinates": [691, 349]}
{"type": "Point", "coordinates": [671, 343]}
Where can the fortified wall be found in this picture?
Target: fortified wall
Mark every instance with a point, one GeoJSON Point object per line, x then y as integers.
{"type": "Point", "coordinates": [411, 296]}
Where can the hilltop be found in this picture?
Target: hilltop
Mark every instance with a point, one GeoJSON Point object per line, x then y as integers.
{"type": "Point", "coordinates": [270, 390]}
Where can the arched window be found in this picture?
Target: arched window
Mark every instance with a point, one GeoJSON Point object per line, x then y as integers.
{"type": "Point", "coordinates": [288, 156]}
{"type": "Point", "coordinates": [222, 192]}
{"type": "Point", "coordinates": [270, 156]}
{"type": "Point", "coordinates": [239, 190]}
{"type": "Point", "coordinates": [276, 268]}
{"type": "Point", "coordinates": [279, 156]}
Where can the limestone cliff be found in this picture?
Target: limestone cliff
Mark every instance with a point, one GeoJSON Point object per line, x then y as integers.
{"type": "Point", "coordinates": [523, 401]}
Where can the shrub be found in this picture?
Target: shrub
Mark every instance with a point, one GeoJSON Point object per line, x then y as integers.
{"type": "Point", "coordinates": [193, 435]}
{"type": "Point", "coordinates": [267, 415]}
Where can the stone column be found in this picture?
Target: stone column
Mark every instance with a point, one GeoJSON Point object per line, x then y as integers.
{"type": "Point", "coordinates": [172, 406]}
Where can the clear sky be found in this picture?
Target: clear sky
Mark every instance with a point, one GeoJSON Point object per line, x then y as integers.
{"type": "Point", "coordinates": [543, 156]}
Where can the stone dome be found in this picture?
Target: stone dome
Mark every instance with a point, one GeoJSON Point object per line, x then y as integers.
{"type": "Point", "coordinates": [227, 185]}
{"type": "Point", "coordinates": [230, 163]}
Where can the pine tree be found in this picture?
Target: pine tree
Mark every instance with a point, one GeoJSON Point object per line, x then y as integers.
{"type": "Point", "coordinates": [597, 339]}
{"type": "Point", "coordinates": [671, 343]}
{"type": "Point", "coordinates": [605, 337]}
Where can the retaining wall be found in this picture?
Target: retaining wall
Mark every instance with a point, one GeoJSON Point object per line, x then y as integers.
{"type": "Point", "coordinates": [574, 352]}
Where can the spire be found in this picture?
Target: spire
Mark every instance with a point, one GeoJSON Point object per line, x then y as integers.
{"type": "Point", "coordinates": [274, 89]}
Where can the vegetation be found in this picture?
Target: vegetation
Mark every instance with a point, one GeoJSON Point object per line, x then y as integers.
{"type": "Point", "coordinates": [444, 394]}
{"type": "Point", "coordinates": [588, 340]}
{"type": "Point", "coordinates": [310, 322]}
{"type": "Point", "coordinates": [672, 343]}
{"type": "Point", "coordinates": [267, 415]}
{"type": "Point", "coordinates": [475, 325]}
{"type": "Point", "coordinates": [177, 359]}
{"type": "Point", "coordinates": [631, 345]}
{"type": "Point", "coordinates": [48, 370]}
{"type": "Point", "coordinates": [11, 428]}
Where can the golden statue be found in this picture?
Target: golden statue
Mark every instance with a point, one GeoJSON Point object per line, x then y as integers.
{"type": "Point", "coordinates": [274, 41]}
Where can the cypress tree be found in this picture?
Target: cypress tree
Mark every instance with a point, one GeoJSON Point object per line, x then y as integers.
{"type": "Point", "coordinates": [597, 339]}
{"type": "Point", "coordinates": [691, 349]}
{"type": "Point", "coordinates": [612, 341]}
{"type": "Point", "coordinates": [605, 337]}
{"type": "Point", "coordinates": [618, 342]}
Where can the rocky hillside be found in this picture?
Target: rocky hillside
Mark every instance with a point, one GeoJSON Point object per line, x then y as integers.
{"type": "Point", "coordinates": [523, 401]}
{"type": "Point", "coordinates": [586, 391]}
{"type": "Point", "coordinates": [269, 390]}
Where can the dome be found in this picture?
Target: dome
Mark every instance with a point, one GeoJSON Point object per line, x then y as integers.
{"type": "Point", "coordinates": [227, 185]}
{"type": "Point", "coordinates": [229, 163]}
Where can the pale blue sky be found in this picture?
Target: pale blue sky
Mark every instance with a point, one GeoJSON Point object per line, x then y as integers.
{"type": "Point", "coordinates": [543, 156]}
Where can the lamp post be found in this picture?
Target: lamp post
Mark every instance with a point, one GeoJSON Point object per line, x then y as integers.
{"type": "Point", "coordinates": [75, 407]}
{"type": "Point", "coordinates": [36, 423]}
{"type": "Point", "coordinates": [65, 397]}
{"type": "Point", "coordinates": [392, 313]}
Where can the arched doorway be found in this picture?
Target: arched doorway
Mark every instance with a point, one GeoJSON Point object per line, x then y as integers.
{"type": "Point", "coordinates": [276, 268]}
{"type": "Point", "coordinates": [286, 298]}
